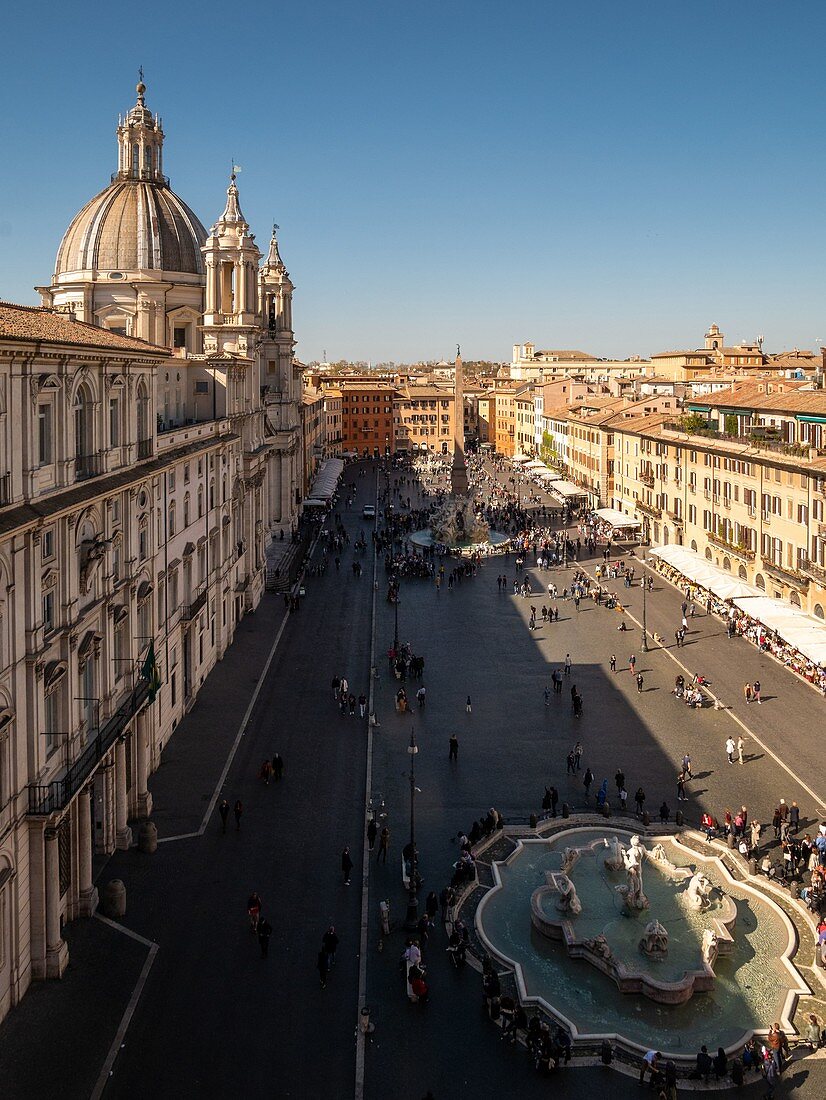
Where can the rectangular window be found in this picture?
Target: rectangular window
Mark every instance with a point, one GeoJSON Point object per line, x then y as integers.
{"type": "Point", "coordinates": [114, 422]}
{"type": "Point", "coordinates": [44, 435]}
{"type": "Point", "coordinates": [48, 611]}
{"type": "Point", "coordinates": [47, 544]}
{"type": "Point", "coordinates": [51, 719]}
{"type": "Point", "coordinates": [179, 336]}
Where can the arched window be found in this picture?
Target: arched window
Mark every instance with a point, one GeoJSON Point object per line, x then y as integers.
{"type": "Point", "coordinates": [171, 520]}
{"type": "Point", "coordinates": [200, 501]}
{"type": "Point", "coordinates": [186, 510]}
{"type": "Point", "coordinates": [694, 545]}
{"type": "Point", "coordinates": [84, 434]}
{"type": "Point", "coordinates": [144, 438]}
{"type": "Point", "coordinates": [818, 610]}
{"type": "Point", "coordinates": [758, 580]}
{"type": "Point", "coordinates": [727, 564]}
{"type": "Point", "coordinates": [708, 553]}
{"type": "Point", "coordinates": [741, 573]}
{"type": "Point", "coordinates": [794, 599]}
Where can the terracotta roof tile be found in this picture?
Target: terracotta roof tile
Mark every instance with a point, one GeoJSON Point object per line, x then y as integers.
{"type": "Point", "coordinates": [44, 326]}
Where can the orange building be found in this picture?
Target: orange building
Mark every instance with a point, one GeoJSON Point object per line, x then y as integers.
{"type": "Point", "coordinates": [367, 417]}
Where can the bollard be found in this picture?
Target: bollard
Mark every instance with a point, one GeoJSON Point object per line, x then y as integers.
{"type": "Point", "coordinates": [730, 840]}
{"type": "Point", "coordinates": [794, 889]}
{"type": "Point", "coordinates": [566, 810]}
{"type": "Point", "coordinates": [148, 837]}
{"type": "Point", "coordinates": [678, 819]}
{"type": "Point", "coordinates": [752, 866]}
{"type": "Point", "coordinates": [606, 1053]}
{"type": "Point", "coordinates": [606, 809]}
{"type": "Point", "coordinates": [533, 821]}
{"type": "Point", "coordinates": [646, 818]}
{"type": "Point", "coordinates": [114, 898]}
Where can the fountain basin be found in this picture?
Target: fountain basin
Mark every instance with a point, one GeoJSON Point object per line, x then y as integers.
{"type": "Point", "coordinates": [570, 976]}
{"type": "Point", "coordinates": [494, 542]}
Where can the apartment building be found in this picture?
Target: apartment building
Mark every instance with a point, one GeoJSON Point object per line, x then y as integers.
{"type": "Point", "coordinates": [751, 503]}
{"type": "Point", "coordinates": [423, 419]}
{"type": "Point", "coordinates": [367, 426]}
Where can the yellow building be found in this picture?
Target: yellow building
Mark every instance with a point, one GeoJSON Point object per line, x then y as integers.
{"type": "Point", "coordinates": [750, 501]}
{"type": "Point", "coordinates": [423, 419]}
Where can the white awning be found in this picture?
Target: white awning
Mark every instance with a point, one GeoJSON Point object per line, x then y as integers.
{"type": "Point", "coordinates": [795, 627]}
{"type": "Point", "coordinates": [614, 518]}
{"type": "Point", "coordinates": [702, 572]}
{"type": "Point", "coordinates": [535, 464]}
{"type": "Point", "coordinates": [520, 458]}
{"type": "Point", "coordinates": [549, 475]}
{"type": "Point", "coordinates": [326, 480]}
{"type": "Point", "coordinates": [568, 490]}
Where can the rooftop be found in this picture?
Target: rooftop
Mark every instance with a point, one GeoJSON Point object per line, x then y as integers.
{"type": "Point", "coordinates": [45, 326]}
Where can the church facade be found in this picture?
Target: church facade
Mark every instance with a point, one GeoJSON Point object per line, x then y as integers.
{"type": "Point", "coordinates": [150, 446]}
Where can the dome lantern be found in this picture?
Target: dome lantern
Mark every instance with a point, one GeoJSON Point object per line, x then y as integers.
{"type": "Point", "coordinates": [140, 143]}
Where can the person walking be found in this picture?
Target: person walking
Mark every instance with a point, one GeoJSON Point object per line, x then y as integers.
{"type": "Point", "coordinates": [372, 830]}
{"type": "Point", "coordinates": [238, 810]}
{"type": "Point", "coordinates": [567, 664]}
{"type": "Point", "coordinates": [277, 767]}
{"type": "Point", "coordinates": [384, 845]}
{"type": "Point", "coordinates": [619, 779]}
{"type": "Point", "coordinates": [329, 943]}
{"type": "Point", "coordinates": [223, 810]}
{"type": "Point", "coordinates": [264, 931]}
{"type": "Point", "coordinates": [687, 766]}
{"type": "Point", "coordinates": [362, 705]}
{"type": "Point", "coordinates": [639, 798]}
{"type": "Point", "coordinates": [587, 780]}
{"type": "Point", "coordinates": [453, 753]}
{"type": "Point", "coordinates": [613, 663]}
{"type": "Point", "coordinates": [640, 682]}
{"type": "Point", "coordinates": [730, 747]}
{"type": "Point", "coordinates": [266, 771]}
{"type": "Point", "coordinates": [577, 756]}
{"type": "Point", "coordinates": [747, 692]}
{"type": "Point", "coordinates": [755, 692]}
{"type": "Point", "coordinates": [468, 707]}
{"type": "Point", "coordinates": [741, 744]}
{"type": "Point", "coordinates": [681, 795]}
{"type": "Point", "coordinates": [623, 797]}
{"type": "Point", "coordinates": [632, 663]}
{"type": "Point", "coordinates": [346, 864]}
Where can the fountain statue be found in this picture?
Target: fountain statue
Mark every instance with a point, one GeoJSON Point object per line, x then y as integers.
{"type": "Point", "coordinates": [569, 858]}
{"type": "Point", "coordinates": [698, 892]}
{"type": "Point", "coordinates": [711, 946]}
{"type": "Point", "coordinates": [654, 942]}
{"type": "Point", "coordinates": [568, 902]}
{"type": "Point", "coordinates": [632, 892]}
{"type": "Point", "coordinates": [614, 861]}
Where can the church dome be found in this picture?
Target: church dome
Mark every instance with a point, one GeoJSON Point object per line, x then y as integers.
{"type": "Point", "coordinates": [137, 223]}
{"type": "Point", "coordinates": [133, 225]}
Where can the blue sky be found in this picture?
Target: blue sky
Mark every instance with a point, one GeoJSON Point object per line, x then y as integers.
{"type": "Point", "coordinates": [594, 175]}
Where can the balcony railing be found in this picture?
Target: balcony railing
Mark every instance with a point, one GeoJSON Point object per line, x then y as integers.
{"type": "Point", "coordinates": [787, 576]}
{"type": "Point", "coordinates": [49, 798]}
{"type": "Point", "coordinates": [5, 489]}
{"type": "Point", "coordinates": [815, 572]}
{"type": "Point", "coordinates": [647, 479]}
{"type": "Point", "coordinates": [192, 610]}
{"type": "Point", "coordinates": [731, 547]}
{"type": "Point", "coordinates": [649, 509]}
{"type": "Point", "coordinates": [90, 465]}
{"type": "Point", "coordinates": [778, 446]}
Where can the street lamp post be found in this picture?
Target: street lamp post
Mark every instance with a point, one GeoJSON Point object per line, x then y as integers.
{"type": "Point", "coordinates": [644, 620]}
{"type": "Point", "coordinates": [412, 919]}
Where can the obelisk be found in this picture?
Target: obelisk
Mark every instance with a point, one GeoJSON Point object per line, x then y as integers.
{"type": "Point", "coordinates": [458, 475]}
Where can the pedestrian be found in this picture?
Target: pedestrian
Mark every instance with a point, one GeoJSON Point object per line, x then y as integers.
{"type": "Point", "coordinates": [755, 692]}
{"type": "Point", "coordinates": [794, 818]}
{"type": "Point", "coordinates": [640, 682]}
{"type": "Point", "coordinates": [346, 864]}
{"type": "Point", "coordinates": [741, 744]}
{"type": "Point", "coordinates": [747, 692]}
{"type": "Point", "coordinates": [664, 812]}
{"type": "Point", "coordinates": [468, 707]}
{"type": "Point", "coordinates": [362, 705]}
{"type": "Point", "coordinates": [238, 810]}
{"type": "Point", "coordinates": [687, 766]}
{"type": "Point", "coordinates": [577, 756]}
{"type": "Point", "coordinates": [639, 798]}
{"type": "Point", "coordinates": [223, 810]}
{"type": "Point", "coordinates": [571, 763]}
{"type": "Point", "coordinates": [277, 767]}
{"type": "Point", "coordinates": [264, 931]}
{"type": "Point", "coordinates": [587, 780]}
{"type": "Point", "coordinates": [567, 664]}
{"type": "Point", "coordinates": [619, 779]}
{"type": "Point", "coordinates": [613, 663]}
{"type": "Point", "coordinates": [321, 961]}
{"type": "Point", "coordinates": [372, 830]}
{"type": "Point", "coordinates": [730, 747]}
{"type": "Point", "coordinates": [432, 906]}
{"type": "Point", "coordinates": [329, 943]}
{"type": "Point", "coordinates": [453, 754]}
{"type": "Point", "coordinates": [681, 795]}
{"type": "Point", "coordinates": [266, 772]}
{"type": "Point", "coordinates": [547, 695]}
{"type": "Point", "coordinates": [632, 663]}
{"type": "Point", "coordinates": [623, 797]}
{"type": "Point", "coordinates": [384, 845]}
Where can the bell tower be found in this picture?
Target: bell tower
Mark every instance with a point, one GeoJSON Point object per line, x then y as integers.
{"type": "Point", "coordinates": [275, 296]}
{"type": "Point", "coordinates": [231, 258]}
